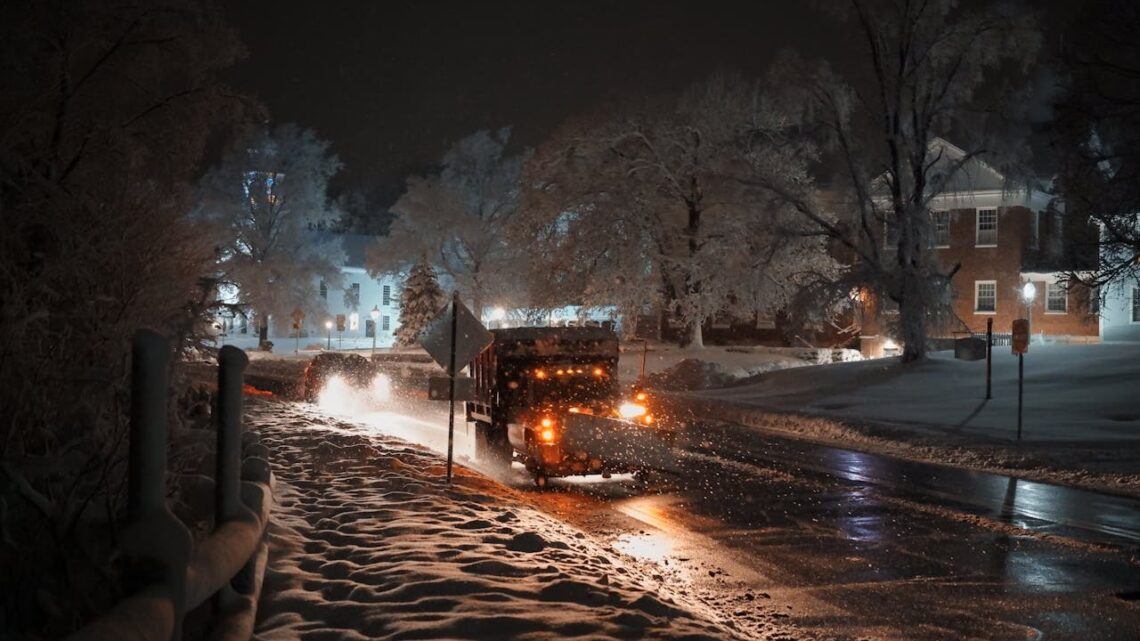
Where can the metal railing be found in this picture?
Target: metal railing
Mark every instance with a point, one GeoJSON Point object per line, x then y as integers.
{"type": "Point", "coordinates": [168, 573]}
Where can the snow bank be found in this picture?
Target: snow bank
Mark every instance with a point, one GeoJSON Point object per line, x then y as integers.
{"type": "Point", "coordinates": [679, 369]}
{"type": "Point", "coordinates": [369, 542]}
{"type": "Point", "coordinates": [1081, 416]}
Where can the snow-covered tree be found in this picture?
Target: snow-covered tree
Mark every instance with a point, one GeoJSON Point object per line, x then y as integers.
{"type": "Point", "coordinates": [653, 202]}
{"type": "Point", "coordinates": [420, 301]}
{"type": "Point", "coordinates": [106, 111]}
{"type": "Point", "coordinates": [1097, 130]}
{"type": "Point", "coordinates": [264, 201]}
{"type": "Point", "coordinates": [458, 218]}
{"type": "Point", "coordinates": [922, 71]}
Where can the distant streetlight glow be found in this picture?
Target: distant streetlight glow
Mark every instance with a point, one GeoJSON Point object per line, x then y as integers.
{"type": "Point", "coordinates": [1028, 291]}
{"type": "Point", "coordinates": [328, 326]}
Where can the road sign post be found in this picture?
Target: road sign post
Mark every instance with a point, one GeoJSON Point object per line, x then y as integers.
{"type": "Point", "coordinates": [1020, 344]}
{"type": "Point", "coordinates": [454, 338]}
{"type": "Point", "coordinates": [989, 355]}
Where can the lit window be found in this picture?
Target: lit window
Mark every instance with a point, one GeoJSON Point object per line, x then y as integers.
{"type": "Point", "coordinates": [1056, 298]}
{"type": "Point", "coordinates": [941, 228]}
{"type": "Point", "coordinates": [387, 295]}
{"type": "Point", "coordinates": [353, 321]}
{"type": "Point", "coordinates": [987, 227]}
{"type": "Point", "coordinates": [985, 296]}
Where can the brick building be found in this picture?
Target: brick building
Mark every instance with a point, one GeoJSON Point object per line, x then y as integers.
{"type": "Point", "coordinates": [1001, 239]}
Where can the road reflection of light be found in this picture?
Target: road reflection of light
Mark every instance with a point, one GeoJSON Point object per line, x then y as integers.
{"type": "Point", "coordinates": [648, 547]}
{"type": "Point", "coordinates": [854, 466]}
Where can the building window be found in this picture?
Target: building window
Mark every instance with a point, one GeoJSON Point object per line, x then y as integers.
{"type": "Point", "coordinates": [384, 325]}
{"type": "Point", "coordinates": [324, 290]}
{"type": "Point", "coordinates": [941, 228]}
{"type": "Point", "coordinates": [353, 322]}
{"type": "Point", "coordinates": [987, 228]}
{"type": "Point", "coordinates": [985, 296]}
{"type": "Point", "coordinates": [369, 328]}
{"type": "Point", "coordinates": [387, 295]}
{"type": "Point", "coordinates": [1056, 298]}
{"type": "Point", "coordinates": [1034, 229]}
{"type": "Point", "coordinates": [1136, 304]}
{"type": "Point", "coordinates": [352, 296]}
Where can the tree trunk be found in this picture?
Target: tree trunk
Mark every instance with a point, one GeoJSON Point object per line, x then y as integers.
{"type": "Point", "coordinates": [696, 337]}
{"type": "Point", "coordinates": [912, 317]}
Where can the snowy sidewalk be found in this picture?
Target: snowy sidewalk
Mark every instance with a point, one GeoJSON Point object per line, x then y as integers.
{"type": "Point", "coordinates": [367, 541]}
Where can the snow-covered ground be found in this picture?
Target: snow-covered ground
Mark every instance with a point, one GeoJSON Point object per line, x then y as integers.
{"type": "Point", "coordinates": [368, 541]}
{"type": "Point", "coordinates": [1081, 413]}
{"type": "Point", "coordinates": [1080, 423]}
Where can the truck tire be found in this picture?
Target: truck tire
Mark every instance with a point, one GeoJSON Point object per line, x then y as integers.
{"type": "Point", "coordinates": [491, 446]}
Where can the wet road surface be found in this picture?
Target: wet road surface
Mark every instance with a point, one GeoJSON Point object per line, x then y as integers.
{"type": "Point", "coordinates": [865, 546]}
{"type": "Point", "coordinates": [859, 546]}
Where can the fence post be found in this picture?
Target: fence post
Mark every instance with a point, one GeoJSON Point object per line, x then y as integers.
{"type": "Point", "coordinates": [155, 540]}
{"type": "Point", "coordinates": [231, 375]}
{"type": "Point", "coordinates": [227, 481]}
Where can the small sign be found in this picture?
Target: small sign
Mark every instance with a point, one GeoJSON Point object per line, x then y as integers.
{"type": "Point", "coordinates": [1020, 336]}
{"type": "Point", "coordinates": [439, 388]}
{"type": "Point", "coordinates": [470, 337]}
{"type": "Point", "coordinates": [340, 322]}
{"type": "Point", "coordinates": [298, 315]}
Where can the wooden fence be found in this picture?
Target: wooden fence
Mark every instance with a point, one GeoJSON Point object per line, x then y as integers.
{"type": "Point", "coordinates": [167, 573]}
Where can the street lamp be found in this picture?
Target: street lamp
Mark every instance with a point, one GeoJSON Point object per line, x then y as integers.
{"type": "Point", "coordinates": [328, 326]}
{"type": "Point", "coordinates": [375, 314]}
{"type": "Point", "coordinates": [1029, 292]}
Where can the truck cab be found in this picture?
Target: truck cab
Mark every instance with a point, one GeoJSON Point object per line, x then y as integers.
{"type": "Point", "coordinates": [550, 397]}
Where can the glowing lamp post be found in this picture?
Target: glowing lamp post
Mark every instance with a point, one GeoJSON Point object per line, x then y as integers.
{"type": "Point", "coordinates": [1028, 293]}
{"type": "Point", "coordinates": [328, 326]}
{"type": "Point", "coordinates": [375, 314]}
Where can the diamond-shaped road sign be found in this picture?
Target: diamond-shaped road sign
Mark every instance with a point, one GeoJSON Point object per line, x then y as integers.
{"type": "Point", "coordinates": [470, 337]}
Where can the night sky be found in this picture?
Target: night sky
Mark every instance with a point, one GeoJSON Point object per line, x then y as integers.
{"type": "Point", "coordinates": [393, 84]}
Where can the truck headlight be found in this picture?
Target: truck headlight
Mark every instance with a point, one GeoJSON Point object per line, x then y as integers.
{"type": "Point", "coordinates": [547, 435]}
{"type": "Point", "coordinates": [631, 410]}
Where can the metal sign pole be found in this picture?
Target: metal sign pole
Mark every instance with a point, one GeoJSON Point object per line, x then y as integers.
{"type": "Point", "coordinates": [1020, 376]}
{"type": "Point", "coordinates": [451, 376]}
{"type": "Point", "coordinates": [989, 355]}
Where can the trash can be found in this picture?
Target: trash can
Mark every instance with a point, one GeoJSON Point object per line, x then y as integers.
{"type": "Point", "coordinates": [970, 348]}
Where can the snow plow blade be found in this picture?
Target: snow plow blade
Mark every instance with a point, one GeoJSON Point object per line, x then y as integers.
{"type": "Point", "coordinates": [619, 444]}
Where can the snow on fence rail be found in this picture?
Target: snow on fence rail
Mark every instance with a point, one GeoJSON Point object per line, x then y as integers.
{"type": "Point", "coordinates": [169, 575]}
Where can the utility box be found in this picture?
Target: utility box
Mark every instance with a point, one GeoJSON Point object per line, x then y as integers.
{"type": "Point", "coordinates": [970, 348]}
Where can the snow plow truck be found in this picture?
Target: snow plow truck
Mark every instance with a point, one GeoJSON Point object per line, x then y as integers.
{"type": "Point", "coordinates": [550, 398]}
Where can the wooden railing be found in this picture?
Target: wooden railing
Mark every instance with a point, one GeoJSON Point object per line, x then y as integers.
{"type": "Point", "coordinates": [166, 573]}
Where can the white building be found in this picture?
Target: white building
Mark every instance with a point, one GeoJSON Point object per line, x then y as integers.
{"type": "Point", "coordinates": [356, 299]}
{"type": "Point", "coordinates": [1120, 306]}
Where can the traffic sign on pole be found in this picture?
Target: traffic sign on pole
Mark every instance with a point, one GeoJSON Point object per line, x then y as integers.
{"type": "Point", "coordinates": [454, 338]}
{"type": "Point", "coordinates": [470, 336]}
{"type": "Point", "coordinates": [1020, 340]}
